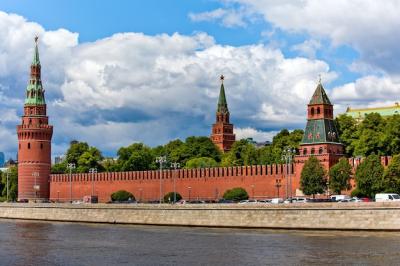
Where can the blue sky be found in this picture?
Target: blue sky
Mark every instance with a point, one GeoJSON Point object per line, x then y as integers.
{"type": "Point", "coordinates": [117, 72]}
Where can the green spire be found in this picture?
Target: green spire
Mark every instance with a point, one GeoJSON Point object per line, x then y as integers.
{"type": "Point", "coordinates": [320, 96]}
{"type": "Point", "coordinates": [34, 90]}
{"type": "Point", "coordinates": [36, 60]}
{"type": "Point", "coordinates": [222, 105]}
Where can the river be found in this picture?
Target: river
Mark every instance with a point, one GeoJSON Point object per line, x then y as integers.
{"type": "Point", "coordinates": [42, 243]}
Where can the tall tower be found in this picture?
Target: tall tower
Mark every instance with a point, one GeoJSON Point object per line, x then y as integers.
{"type": "Point", "coordinates": [321, 137]}
{"type": "Point", "coordinates": [222, 131]}
{"type": "Point", "coordinates": [34, 139]}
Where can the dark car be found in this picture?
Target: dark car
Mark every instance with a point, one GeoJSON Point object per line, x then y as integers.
{"type": "Point", "coordinates": [225, 201]}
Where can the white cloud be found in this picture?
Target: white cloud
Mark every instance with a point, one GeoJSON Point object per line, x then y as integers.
{"type": "Point", "coordinates": [228, 17]}
{"type": "Point", "coordinates": [256, 135]}
{"type": "Point", "coordinates": [134, 87]}
{"type": "Point", "coordinates": [369, 26]}
{"type": "Point", "coordinates": [308, 48]}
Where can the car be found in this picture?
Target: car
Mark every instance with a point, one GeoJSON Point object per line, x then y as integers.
{"type": "Point", "coordinates": [364, 199]}
{"type": "Point", "coordinates": [380, 197]}
{"type": "Point", "coordinates": [277, 200]}
{"type": "Point", "coordinates": [225, 201]}
{"type": "Point", "coordinates": [339, 197]}
{"type": "Point", "coordinates": [264, 201]}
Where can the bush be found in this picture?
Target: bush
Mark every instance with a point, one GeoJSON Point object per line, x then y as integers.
{"type": "Point", "coordinates": [122, 195]}
{"type": "Point", "coordinates": [169, 197]}
{"type": "Point", "coordinates": [236, 194]}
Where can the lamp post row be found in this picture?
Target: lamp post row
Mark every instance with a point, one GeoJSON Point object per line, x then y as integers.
{"type": "Point", "coordinates": [287, 157]}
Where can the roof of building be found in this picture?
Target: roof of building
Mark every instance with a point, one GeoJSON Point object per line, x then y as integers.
{"type": "Point", "coordinates": [383, 111]}
{"type": "Point", "coordinates": [34, 90]}
{"type": "Point", "coordinates": [320, 131]}
{"type": "Point", "coordinates": [320, 96]}
{"type": "Point", "coordinates": [222, 104]}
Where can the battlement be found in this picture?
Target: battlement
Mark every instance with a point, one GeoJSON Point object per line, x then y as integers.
{"type": "Point", "coordinates": [275, 170]}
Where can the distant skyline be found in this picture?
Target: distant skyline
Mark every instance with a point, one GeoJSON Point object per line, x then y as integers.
{"type": "Point", "coordinates": [116, 72]}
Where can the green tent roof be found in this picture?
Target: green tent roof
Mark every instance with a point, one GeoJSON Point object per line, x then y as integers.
{"type": "Point", "coordinates": [222, 104]}
{"type": "Point", "coordinates": [320, 96]}
{"type": "Point", "coordinates": [34, 90]}
{"type": "Point", "coordinates": [320, 131]}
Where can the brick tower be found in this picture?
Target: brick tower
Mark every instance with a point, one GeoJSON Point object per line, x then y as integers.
{"type": "Point", "coordinates": [222, 131]}
{"type": "Point", "coordinates": [34, 139]}
{"type": "Point", "coordinates": [321, 137]}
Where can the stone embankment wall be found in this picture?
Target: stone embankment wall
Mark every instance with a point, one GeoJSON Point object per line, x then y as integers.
{"type": "Point", "coordinates": [331, 216]}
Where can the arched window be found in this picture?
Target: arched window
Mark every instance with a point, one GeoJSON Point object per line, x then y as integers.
{"type": "Point", "coordinates": [318, 110]}
{"type": "Point", "coordinates": [320, 151]}
{"type": "Point", "coordinates": [19, 146]}
{"type": "Point", "coordinates": [312, 150]}
{"type": "Point", "coordinates": [312, 110]}
{"type": "Point", "coordinates": [304, 151]}
{"type": "Point", "coordinates": [29, 145]}
{"type": "Point", "coordinates": [41, 146]}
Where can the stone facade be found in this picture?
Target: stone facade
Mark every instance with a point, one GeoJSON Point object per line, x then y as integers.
{"type": "Point", "coordinates": [34, 139]}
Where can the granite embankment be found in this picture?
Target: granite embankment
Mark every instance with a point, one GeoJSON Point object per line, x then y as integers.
{"type": "Point", "coordinates": [328, 216]}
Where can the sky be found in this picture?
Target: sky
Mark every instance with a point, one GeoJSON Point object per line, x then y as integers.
{"type": "Point", "coordinates": [119, 72]}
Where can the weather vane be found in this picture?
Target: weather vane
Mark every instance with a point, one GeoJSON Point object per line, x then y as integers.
{"type": "Point", "coordinates": [36, 38]}
{"type": "Point", "coordinates": [319, 78]}
{"type": "Point", "coordinates": [222, 78]}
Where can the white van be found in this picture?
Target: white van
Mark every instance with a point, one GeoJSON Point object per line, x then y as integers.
{"type": "Point", "coordinates": [339, 197]}
{"type": "Point", "coordinates": [277, 200]}
{"type": "Point", "coordinates": [387, 197]}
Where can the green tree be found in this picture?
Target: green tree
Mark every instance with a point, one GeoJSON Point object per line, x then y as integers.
{"type": "Point", "coordinates": [369, 176]}
{"type": "Point", "coordinates": [122, 195]}
{"type": "Point", "coordinates": [136, 157]}
{"type": "Point", "coordinates": [202, 162]}
{"type": "Point", "coordinates": [312, 180]}
{"type": "Point", "coordinates": [236, 194]}
{"type": "Point", "coordinates": [169, 197]}
{"type": "Point", "coordinates": [391, 137]}
{"type": "Point", "coordinates": [75, 150]}
{"type": "Point", "coordinates": [339, 176]}
{"type": "Point", "coordinates": [347, 129]}
{"type": "Point", "coordinates": [242, 153]}
{"type": "Point", "coordinates": [391, 177]}
{"type": "Point", "coordinates": [59, 168]}
{"type": "Point", "coordinates": [12, 185]}
{"type": "Point", "coordinates": [110, 165]}
{"type": "Point", "coordinates": [370, 135]}
{"type": "Point", "coordinates": [196, 147]}
{"type": "Point", "coordinates": [90, 159]}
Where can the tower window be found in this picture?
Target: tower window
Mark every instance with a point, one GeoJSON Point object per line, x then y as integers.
{"type": "Point", "coordinates": [320, 150]}
{"type": "Point", "coordinates": [312, 110]}
{"type": "Point", "coordinates": [41, 146]}
{"type": "Point", "coordinates": [318, 111]}
{"type": "Point", "coordinates": [29, 145]}
{"type": "Point", "coordinates": [19, 146]}
{"type": "Point", "coordinates": [312, 150]}
{"type": "Point", "coordinates": [304, 151]}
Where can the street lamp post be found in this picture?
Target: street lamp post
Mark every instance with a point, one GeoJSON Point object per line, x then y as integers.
{"type": "Point", "coordinates": [161, 160]}
{"type": "Point", "coordinates": [71, 166]}
{"type": "Point", "coordinates": [189, 188]}
{"type": "Point", "coordinates": [36, 187]}
{"type": "Point", "coordinates": [7, 174]}
{"type": "Point", "coordinates": [287, 157]}
{"type": "Point", "coordinates": [278, 185]}
{"type": "Point", "coordinates": [58, 196]}
{"type": "Point", "coordinates": [175, 165]}
{"type": "Point", "coordinates": [141, 191]}
{"type": "Point", "coordinates": [93, 171]}
{"type": "Point", "coordinates": [252, 191]}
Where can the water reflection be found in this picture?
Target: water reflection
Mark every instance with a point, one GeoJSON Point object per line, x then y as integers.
{"type": "Point", "coordinates": [32, 243]}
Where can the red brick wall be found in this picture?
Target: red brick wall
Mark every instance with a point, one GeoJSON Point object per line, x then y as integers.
{"type": "Point", "coordinates": [208, 183]}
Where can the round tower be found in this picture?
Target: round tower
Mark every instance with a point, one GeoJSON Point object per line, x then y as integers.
{"type": "Point", "coordinates": [34, 139]}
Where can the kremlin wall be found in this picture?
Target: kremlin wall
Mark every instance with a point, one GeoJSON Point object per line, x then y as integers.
{"type": "Point", "coordinates": [320, 139]}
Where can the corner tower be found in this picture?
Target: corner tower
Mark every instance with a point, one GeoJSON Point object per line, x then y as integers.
{"type": "Point", "coordinates": [222, 131]}
{"type": "Point", "coordinates": [321, 138]}
{"type": "Point", "coordinates": [34, 139]}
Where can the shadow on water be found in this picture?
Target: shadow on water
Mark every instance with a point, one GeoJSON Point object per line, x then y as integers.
{"type": "Point", "coordinates": [41, 243]}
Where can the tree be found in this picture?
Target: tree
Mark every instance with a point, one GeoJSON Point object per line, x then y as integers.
{"type": "Point", "coordinates": [75, 150]}
{"type": "Point", "coordinates": [169, 197]}
{"type": "Point", "coordinates": [370, 135]}
{"type": "Point", "coordinates": [136, 157]}
{"type": "Point", "coordinates": [122, 195]}
{"type": "Point", "coordinates": [312, 180]}
{"type": "Point", "coordinates": [196, 147]}
{"type": "Point", "coordinates": [339, 176]}
{"type": "Point", "coordinates": [242, 153]}
{"type": "Point", "coordinates": [236, 194]}
{"type": "Point", "coordinates": [391, 137]}
{"type": "Point", "coordinates": [202, 162]}
{"type": "Point", "coordinates": [391, 177]}
{"type": "Point", "coordinates": [90, 159]}
{"type": "Point", "coordinates": [347, 129]}
{"type": "Point", "coordinates": [59, 168]}
{"type": "Point", "coordinates": [369, 176]}
{"type": "Point", "coordinates": [12, 185]}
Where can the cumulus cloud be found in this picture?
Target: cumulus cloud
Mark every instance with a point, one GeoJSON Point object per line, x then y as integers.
{"type": "Point", "coordinates": [228, 17]}
{"type": "Point", "coordinates": [256, 135]}
{"type": "Point", "coordinates": [368, 26]}
{"type": "Point", "coordinates": [134, 87]}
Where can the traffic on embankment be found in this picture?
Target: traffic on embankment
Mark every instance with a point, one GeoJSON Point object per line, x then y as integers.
{"type": "Point", "coordinates": [380, 216]}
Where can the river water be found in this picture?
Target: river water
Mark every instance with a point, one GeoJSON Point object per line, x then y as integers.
{"type": "Point", "coordinates": [42, 243]}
